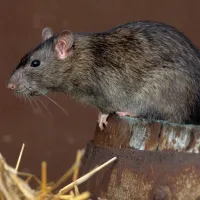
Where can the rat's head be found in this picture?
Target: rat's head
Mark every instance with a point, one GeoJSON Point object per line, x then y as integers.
{"type": "Point", "coordinates": [39, 71]}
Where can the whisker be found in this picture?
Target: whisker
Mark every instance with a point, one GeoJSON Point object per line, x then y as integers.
{"type": "Point", "coordinates": [30, 102]}
{"type": "Point", "coordinates": [25, 98]}
{"type": "Point", "coordinates": [37, 105]}
{"type": "Point", "coordinates": [30, 98]}
{"type": "Point", "coordinates": [20, 98]}
{"type": "Point", "coordinates": [59, 106]}
{"type": "Point", "coordinates": [50, 99]}
{"type": "Point", "coordinates": [17, 95]}
{"type": "Point", "coordinates": [44, 105]}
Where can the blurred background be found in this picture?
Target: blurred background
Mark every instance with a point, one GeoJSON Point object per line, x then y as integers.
{"type": "Point", "coordinates": [56, 137]}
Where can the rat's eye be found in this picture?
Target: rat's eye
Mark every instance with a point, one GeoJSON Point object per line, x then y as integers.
{"type": "Point", "coordinates": [35, 63]}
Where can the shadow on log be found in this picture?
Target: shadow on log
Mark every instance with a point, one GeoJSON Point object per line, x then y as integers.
{"type": "Point", "coordinates": [156, 160]}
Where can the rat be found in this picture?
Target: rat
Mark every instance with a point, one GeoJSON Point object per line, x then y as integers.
{"type": "Point", "coordinates": [141, 69]}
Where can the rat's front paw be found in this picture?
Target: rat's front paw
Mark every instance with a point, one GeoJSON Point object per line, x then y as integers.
{"type": "Point", "coordinates": [102, 120]}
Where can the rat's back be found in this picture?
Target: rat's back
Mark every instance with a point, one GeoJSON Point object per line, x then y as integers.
{"type": "Point", "coordinates": [152, 70]}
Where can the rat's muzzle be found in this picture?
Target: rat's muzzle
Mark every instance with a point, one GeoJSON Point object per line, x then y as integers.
{"type": "Point", "coordinates": [16, 82]}
{"type": "Point", "coordinates": [21, 84]}
{"type": "Point", "coordinates": [11, 86]}
{"type": "Point", "coordinates": [17, 87]}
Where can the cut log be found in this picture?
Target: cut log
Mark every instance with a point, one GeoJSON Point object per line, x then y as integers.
{"type": "Point", "coordinates": [155, 160]}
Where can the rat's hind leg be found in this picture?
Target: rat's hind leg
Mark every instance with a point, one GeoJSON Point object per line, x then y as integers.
{"type": "Point", "coordinates": [123, 114]}
{"type": "Point", "coordinates": [102, 120]}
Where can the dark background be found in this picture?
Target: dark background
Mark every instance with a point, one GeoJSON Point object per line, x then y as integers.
{"type": "Point", "coordinates": [56, 138]}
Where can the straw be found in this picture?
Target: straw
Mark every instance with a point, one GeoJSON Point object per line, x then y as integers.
{"type": "Point", "coordinates": [12, 187]}
{"type": "Point", "coordinates": [20, 156]}
{"type": "Point", "coordinates": [85, 177]}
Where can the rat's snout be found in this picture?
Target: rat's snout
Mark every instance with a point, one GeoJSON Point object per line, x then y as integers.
{"type": "Point", "coordinates": [23, 84]}
{"type": "Point", "coordinates": [16, 81]}
{"type": "Point", "coordinates": [11, 86]}
{"type": "Point", "coordinates": [13, 82]}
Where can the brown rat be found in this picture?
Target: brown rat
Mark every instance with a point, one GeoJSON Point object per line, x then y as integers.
{"type": "Point", "coordinates": [143, 68]}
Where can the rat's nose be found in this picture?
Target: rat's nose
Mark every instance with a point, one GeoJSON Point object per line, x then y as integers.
{"type": "Point", "coordinates": [11, 86]}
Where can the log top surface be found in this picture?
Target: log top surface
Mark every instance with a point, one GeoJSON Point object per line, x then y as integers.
{"type": "Point", "coordinates": [141, 134]}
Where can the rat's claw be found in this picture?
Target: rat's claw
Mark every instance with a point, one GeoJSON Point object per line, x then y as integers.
{"type": "Point", "coordinates": [102, 120]}
{"type": "Point", "coordinates": [123, 114]}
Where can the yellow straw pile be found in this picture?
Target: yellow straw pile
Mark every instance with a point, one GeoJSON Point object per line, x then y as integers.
{"type": "Point", "coordinates": [13, 187]}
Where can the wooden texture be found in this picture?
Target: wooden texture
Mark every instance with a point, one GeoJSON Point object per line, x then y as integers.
{"type": "Point", "coordinates": [156, 161]}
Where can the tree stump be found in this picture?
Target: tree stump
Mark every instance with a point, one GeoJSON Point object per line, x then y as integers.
{"type": "Point", "coordinates": [156, 160]}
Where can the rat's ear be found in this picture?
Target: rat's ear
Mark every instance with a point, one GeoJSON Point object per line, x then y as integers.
{"type": "Point", "coordinates": [47, 33]}
{"type": "Point", "coordinates": [64, 44]}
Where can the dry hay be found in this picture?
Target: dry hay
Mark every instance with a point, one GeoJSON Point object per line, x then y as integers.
{"type": "Point", "coordinates": [14, 187]}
